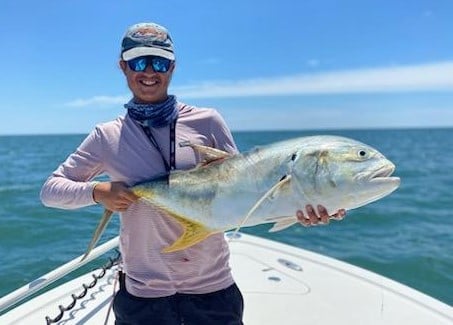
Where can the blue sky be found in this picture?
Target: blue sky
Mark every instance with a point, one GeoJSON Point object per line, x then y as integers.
{"type": "Point", "coordinates": [283, 64]}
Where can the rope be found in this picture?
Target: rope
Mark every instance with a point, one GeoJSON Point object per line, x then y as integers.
{"type": "Point", "coordinates": [85, 287]}
{"type": "Point", "coordinates": [117, 279]}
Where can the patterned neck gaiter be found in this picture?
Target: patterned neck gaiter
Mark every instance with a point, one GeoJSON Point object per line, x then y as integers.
{"type": "Point", "coordinates": [155, 115]}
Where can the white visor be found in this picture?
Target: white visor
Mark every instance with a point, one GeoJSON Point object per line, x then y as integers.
{"type": "Point", "coordinates": [146, 50]}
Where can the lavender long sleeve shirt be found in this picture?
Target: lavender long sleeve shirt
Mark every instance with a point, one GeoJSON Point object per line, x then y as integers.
{"type": "Point", "coordinates": [121, 150]}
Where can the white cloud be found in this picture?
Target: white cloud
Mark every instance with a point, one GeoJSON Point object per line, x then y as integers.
{"type": "Point", "coordinates": [337, 117]}
{"type": "Point", "coordinates": [414, 78]}
{"type": "Point", "coordinates": [97, 101]}
{"type": "Point", "coordinates": [426, 77]}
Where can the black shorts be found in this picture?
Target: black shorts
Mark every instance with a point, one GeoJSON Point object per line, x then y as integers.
{"type": "Point", "coordinates": [223, 307]}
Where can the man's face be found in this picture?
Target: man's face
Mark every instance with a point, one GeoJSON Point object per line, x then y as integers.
{"type": "Point", "coordinates": [148, 86]}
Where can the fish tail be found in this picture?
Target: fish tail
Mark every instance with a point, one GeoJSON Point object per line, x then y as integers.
{"type": "Point", "coordinates": [98, 232]}
{"type": "Point", "coordinates": [193, 233]}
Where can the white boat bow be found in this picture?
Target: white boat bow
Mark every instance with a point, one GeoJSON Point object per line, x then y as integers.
{"type": "Point", "coordinates": [280, 284]}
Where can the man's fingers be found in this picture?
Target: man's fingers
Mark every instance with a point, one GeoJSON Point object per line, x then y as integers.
{"type": "Point", "coordinates": [129, 196]}
{"type": "Point", "coordinates": [318, 217]}
{"type": "Point", "coordinates": [312, 214]}
{"type": "Point", "coordinates": [323, 215]}
{"type": "Point", "coordinates": [339, 215]}
{"type": "Point", "coordinates": [302, 219]}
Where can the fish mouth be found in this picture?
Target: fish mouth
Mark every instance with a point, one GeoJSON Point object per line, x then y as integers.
{"type": "Point", "coordinates": [384, 171]}
{"type": "Point", "coordinates": [383, 175]}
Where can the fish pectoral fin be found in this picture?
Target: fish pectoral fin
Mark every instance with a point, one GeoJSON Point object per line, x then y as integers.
{"type": "Point", "coordinates": [283, 223]}
{"type": "Point", "coordinates": [273, 191]}
{"type": "Point", "coordinates": [194, 232]}
{"type": "Point", "coordinates": [209, 154]}
{"type": "Point", "coordinates": [98, 232]}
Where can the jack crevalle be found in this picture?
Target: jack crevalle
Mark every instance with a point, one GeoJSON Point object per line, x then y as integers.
{"type": "Point", "coordinates": [267, 184]}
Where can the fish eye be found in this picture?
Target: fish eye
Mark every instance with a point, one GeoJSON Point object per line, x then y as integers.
{"type": "Point", "coordinates": [362, 153]}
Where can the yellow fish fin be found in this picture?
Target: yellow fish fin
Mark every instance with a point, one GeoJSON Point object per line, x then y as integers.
{"type": "Point", "coordinates": [209, 154]}
{"type": "Point", "coordinates": [194, 232]}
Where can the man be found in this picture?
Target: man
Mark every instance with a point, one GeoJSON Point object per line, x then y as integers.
{"type": "Point", "coordinates": [193, 286]}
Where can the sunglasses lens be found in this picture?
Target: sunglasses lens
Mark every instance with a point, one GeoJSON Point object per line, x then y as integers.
{"type": "Point", "coordinates": [137, 64]}
{"type": "Point", "coordinates": [160, 64]}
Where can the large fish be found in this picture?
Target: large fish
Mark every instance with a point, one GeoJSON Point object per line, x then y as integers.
{"type": "Point", "coordinates": [266, 185]}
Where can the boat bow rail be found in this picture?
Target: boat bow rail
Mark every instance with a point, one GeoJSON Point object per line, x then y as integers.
{"type": "Point", "coordinates": [44, 281]}
{"type": "Point", "coordinates": [280, 284]}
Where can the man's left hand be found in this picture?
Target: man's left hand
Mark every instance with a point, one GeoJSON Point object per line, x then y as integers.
{"type": "Point", "coordinates": [311, 217]}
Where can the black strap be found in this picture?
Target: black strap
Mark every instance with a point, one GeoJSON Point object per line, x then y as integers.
{"type": "Point", "coordinates": [122, 280]}
{"type": "Point", "coordinates": [171, 164]}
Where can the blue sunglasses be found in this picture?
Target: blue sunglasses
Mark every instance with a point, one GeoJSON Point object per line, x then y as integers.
{"type": "Point", "coordinates": [158, 63]}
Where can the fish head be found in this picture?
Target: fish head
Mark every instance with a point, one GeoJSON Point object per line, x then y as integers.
{"type": "Point", "coordinates": [341, 173]}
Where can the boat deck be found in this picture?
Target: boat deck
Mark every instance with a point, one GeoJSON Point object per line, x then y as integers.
{"type": "Point", "coordinates": [281, 284]}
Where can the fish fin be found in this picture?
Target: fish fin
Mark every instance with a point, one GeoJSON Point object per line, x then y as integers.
{"type": "Point", "coordinates": [209, 154]}
{"type": "Point", "coordinates": [274, 189]}
{"type": "Point", "coordinates": [194, 232]}
{"type": "Point", "coordinates": [98, 232]}
{"type": "Point", "coordinates": [283, 223]}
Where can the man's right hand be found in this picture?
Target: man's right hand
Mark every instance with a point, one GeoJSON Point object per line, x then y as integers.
{"type": "Point", "coordinates": [114, 196]}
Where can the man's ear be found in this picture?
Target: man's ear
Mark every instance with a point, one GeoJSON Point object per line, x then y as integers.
{"type": "Point", "coordinates": [122, 65]}
{"type": "Point", "coordinates": [173, 66]}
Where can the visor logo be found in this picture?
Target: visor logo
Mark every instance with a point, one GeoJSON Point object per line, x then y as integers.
{"type": "Point", "coordinates": [150, 31]}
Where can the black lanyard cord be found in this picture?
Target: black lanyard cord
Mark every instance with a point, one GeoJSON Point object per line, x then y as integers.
{"type": "Point", "coordinates": [169, 165]}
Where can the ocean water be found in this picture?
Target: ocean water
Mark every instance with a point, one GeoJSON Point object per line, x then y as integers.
{"type": "Point", "coordinates": [407, 236]}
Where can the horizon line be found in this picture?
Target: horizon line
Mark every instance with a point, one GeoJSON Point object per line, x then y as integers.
{"type": "Point", "coordinates": [327, 129]}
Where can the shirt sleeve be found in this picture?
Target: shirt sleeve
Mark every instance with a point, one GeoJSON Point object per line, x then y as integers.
{"type": "Point", "coordinates": [70, 186]}
{"type": "Point", "coordinates": [222, 137]}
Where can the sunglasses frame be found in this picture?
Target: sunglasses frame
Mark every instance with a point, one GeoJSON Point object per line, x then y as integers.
{"type": "Point", "coordinates": [158, 63]}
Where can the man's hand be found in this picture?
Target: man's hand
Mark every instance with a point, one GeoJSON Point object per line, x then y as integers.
{"type": "Point", "coordinates": [311, 218]}
{"type": "Point", "coordinates": [114, 196]}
